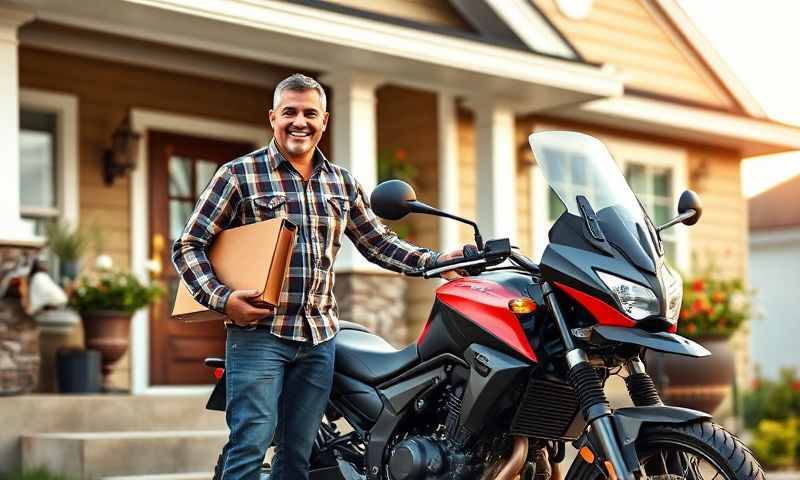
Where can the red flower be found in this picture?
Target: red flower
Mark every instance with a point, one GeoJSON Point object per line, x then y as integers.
{"type": "Point", "coordinates": [698, 285]}
{"type": "Point", "coordinates": [697, 306]}
{"type": "Point", "coordinates": [718, 297]}
{"type": "Point", "coordinates": [756, 383]}
{"type": "Point", "coordinates": [401, 153]}
{"type": "Point", "coordinates": [796, 385]}
{"type": "Point", "coordinates": [691, 328]}
{"type": "Point", "coordinates": [684, 314]}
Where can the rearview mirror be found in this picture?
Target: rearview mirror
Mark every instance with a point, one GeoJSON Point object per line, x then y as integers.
{"type": "Point", "coordinates": [689, 210]}
{"type": "Point", "coordinates": [690, 201]}
{"type": "Point", "coordinates": [390, 199]}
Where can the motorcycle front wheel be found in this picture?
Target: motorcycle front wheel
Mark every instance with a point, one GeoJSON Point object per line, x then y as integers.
{"type": "Point", "coordinates": [697, 451]}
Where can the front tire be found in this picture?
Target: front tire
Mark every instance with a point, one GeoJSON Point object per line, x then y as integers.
{"type": "Point", "coordinates": [695, 451]}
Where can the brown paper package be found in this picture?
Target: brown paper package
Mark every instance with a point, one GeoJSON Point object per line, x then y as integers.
{"type": "Point", "coordinates": [251, 257]}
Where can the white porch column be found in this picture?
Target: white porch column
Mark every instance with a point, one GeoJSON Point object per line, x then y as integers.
{"type": "Point", "coordinates": [447, 118]}
{"type": "Point", "coordinates": [11, 19]}
{"type": "Point", "coordinates": [497, 159]}
{"type": "Point", "coordinates": [355, 143]}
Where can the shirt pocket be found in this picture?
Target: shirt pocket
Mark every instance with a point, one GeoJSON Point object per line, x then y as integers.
{"type": "Point", "coordinates": [337, 211]}
{"type": "Point", "coordinates": [267, 207]}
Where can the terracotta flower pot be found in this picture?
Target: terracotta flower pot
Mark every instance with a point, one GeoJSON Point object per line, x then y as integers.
{"type": "Point", "coordinates": [697, 383]}
{"type": "Point", "coordinates": [107, 331]}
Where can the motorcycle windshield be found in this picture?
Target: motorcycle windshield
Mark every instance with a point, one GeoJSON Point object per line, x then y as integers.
{"type": "Point", "coordinates": [576, 164]}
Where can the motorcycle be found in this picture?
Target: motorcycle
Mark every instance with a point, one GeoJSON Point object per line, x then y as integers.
{"type": "Point", "coordinates": [513, 359]}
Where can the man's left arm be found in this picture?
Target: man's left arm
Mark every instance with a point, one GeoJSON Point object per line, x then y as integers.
{"type": "Point", "coordinates": [380, 245]}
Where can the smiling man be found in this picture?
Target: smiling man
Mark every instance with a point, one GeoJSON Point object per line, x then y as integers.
{"type": "Point", "coordinates": [279, 364]}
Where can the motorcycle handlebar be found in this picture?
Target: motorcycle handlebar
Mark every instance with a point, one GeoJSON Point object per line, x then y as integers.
{"type": "Point", "coordinates": [478, 259]}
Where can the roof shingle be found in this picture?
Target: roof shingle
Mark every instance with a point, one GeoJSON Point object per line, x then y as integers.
{"type": "Point", "coordinates": [778, 207]}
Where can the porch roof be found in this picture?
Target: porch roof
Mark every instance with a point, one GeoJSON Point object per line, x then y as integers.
{"type": "Point", "coordinates": [328, 41]}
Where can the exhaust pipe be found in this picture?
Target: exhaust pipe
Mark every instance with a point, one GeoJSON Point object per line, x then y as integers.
{"type": "Point", "coordinates": [511, 468]}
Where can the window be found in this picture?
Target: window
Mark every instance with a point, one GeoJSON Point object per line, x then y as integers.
{"type": "Point", "coordinates": [38, 169]}
{"type": "Point", "coordinates": [48, 149]}
{"type": "Point", "coordinates": [653, 186]}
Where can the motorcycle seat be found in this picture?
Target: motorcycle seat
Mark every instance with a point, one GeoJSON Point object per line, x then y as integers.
{"type": "Point", "coordinates": [369, 358]}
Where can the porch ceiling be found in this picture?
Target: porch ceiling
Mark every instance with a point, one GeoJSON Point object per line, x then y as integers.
{"type": "Point", "coordinates": [318, 40]}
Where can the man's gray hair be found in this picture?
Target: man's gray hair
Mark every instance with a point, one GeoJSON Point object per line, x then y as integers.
{"type": "Point", "coordinates": [299, 83]}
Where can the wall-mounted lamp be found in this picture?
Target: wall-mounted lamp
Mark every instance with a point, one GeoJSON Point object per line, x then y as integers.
{"type": "Point", "coordinates": [121, 157]}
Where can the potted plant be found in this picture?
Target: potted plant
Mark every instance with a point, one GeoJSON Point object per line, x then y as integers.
{"type": "Point", "coordinates": [106, 301]}
{"type": "Point", "coordinates": [68, 244]}
{"type": "Point", "coordinates": [713, 310]}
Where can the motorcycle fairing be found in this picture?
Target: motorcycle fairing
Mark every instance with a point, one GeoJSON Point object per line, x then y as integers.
{"type": "Point", "coordinates": [491, 374]}
{"type": "Point", "coordinates": [485, 303]}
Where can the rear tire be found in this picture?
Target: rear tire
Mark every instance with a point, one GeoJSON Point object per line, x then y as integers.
{"type": "Point", "coordinates": [709, 446]}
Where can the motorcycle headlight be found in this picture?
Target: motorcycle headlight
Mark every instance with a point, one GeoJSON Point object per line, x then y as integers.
{"type": "Point", "coordinates": [636, 300]}
{"type": "Point", "coordinates": [673, 285]}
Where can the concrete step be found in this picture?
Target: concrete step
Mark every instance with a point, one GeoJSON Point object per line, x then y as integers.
{"type": "Point", "coordinates": [95, 455]}
{"type": "Point", "coordinates": [166, 476]}
{"type": "Point", "coordinates": [32, 414]}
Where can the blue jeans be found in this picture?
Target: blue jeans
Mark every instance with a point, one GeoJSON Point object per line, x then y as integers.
{"type": "Point", "coordinates": [275, 387]}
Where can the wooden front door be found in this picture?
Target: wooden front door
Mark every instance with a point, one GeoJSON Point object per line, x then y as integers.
{"type": "Point", "coordinates": [180, 168]}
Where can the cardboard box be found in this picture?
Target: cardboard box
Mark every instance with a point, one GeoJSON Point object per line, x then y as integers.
{"type": "Point", "coordinates": [250, 257]}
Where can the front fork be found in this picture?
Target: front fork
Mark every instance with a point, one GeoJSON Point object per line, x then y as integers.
{"type": "Point", "coordinates": [589, 389]}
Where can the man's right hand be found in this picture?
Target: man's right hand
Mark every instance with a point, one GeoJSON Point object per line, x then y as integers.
{"type": "Point", "coordinates": [241, 312]}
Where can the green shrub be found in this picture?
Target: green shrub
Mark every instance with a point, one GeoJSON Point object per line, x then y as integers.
{"type": "Point", "coordinates": [775, 443]}
{"type": "Point", "coordinates": [773, 400]}
{"type": "Point", "coordinates": [35, 474]}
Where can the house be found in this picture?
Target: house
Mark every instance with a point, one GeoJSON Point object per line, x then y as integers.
{"type": "Point", "coordinates": [457, 84]}
{"type": "Point", "coordinates": [774, 273]}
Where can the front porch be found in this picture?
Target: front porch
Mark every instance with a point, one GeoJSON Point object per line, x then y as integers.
{"type": "Point", "coordinates": [206, 74]}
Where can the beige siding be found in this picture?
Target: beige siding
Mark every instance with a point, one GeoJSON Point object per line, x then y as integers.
{"type": "Point", "coordinates": [641, 44]}
{"type": "Point", "coordinates": [434, 12]}
{"type": "Point", "coordinates": [407, 120]}
{"type": "Point", "coordinates": [467, 171]}
{"type": "Point", "coordinates": [721, 234]}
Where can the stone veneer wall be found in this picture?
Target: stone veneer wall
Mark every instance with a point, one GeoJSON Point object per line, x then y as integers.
{"type": "Point", "coordinates": [19, 335]}
{"type": "Point", "coordinates": [374, 300]}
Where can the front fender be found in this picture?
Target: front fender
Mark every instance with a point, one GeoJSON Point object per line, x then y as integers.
{"type": "Point", "coordinates": [629, 420]}
{"type": "Point", "coordinates": [628, 423]}
{"type": "Point", "coordinates": [658, 341]}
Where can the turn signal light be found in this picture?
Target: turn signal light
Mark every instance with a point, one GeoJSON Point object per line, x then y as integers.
{"type": "Point", "coordinates": [522, 305]}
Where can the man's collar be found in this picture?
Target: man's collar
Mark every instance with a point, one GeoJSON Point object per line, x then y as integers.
{"type": "Point", "coordinates": [275, 158]}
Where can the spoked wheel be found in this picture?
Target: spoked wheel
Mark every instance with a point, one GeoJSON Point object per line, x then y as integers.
{"type": "Point", "coordinates": [698, 451]}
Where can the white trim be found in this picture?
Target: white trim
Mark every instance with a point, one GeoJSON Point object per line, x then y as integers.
{"type": "Point", "coordinates": [447, 128]}
{"type": "Point", "coordinates": [11, 226]}
{"type": "Point", "coordinates": [65, 107]}
{"type": "Point", "coordinates": [142, 121]}
{"type": "Point", "coordinates": [530, 27]}
{"type": "Point", "coordinates": [646, 153]}
{"type": "Point", "coordinates": [355, 146]}
{"type": "Point", "coordinates": [707, 52]}
{"type": "Point", "coordinates": [748, 135]}
{"type": "Point", "coordinates": [776, 236]}
{"type": "Point", "coordinates": [495, 149]}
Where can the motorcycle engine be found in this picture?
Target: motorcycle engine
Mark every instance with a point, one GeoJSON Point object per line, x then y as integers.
{"type": "Point", "coordinates": [417, 458]}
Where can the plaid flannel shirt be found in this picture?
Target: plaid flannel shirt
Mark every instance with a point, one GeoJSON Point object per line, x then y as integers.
{"type": "Point", "coordinates": [264, 185]}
